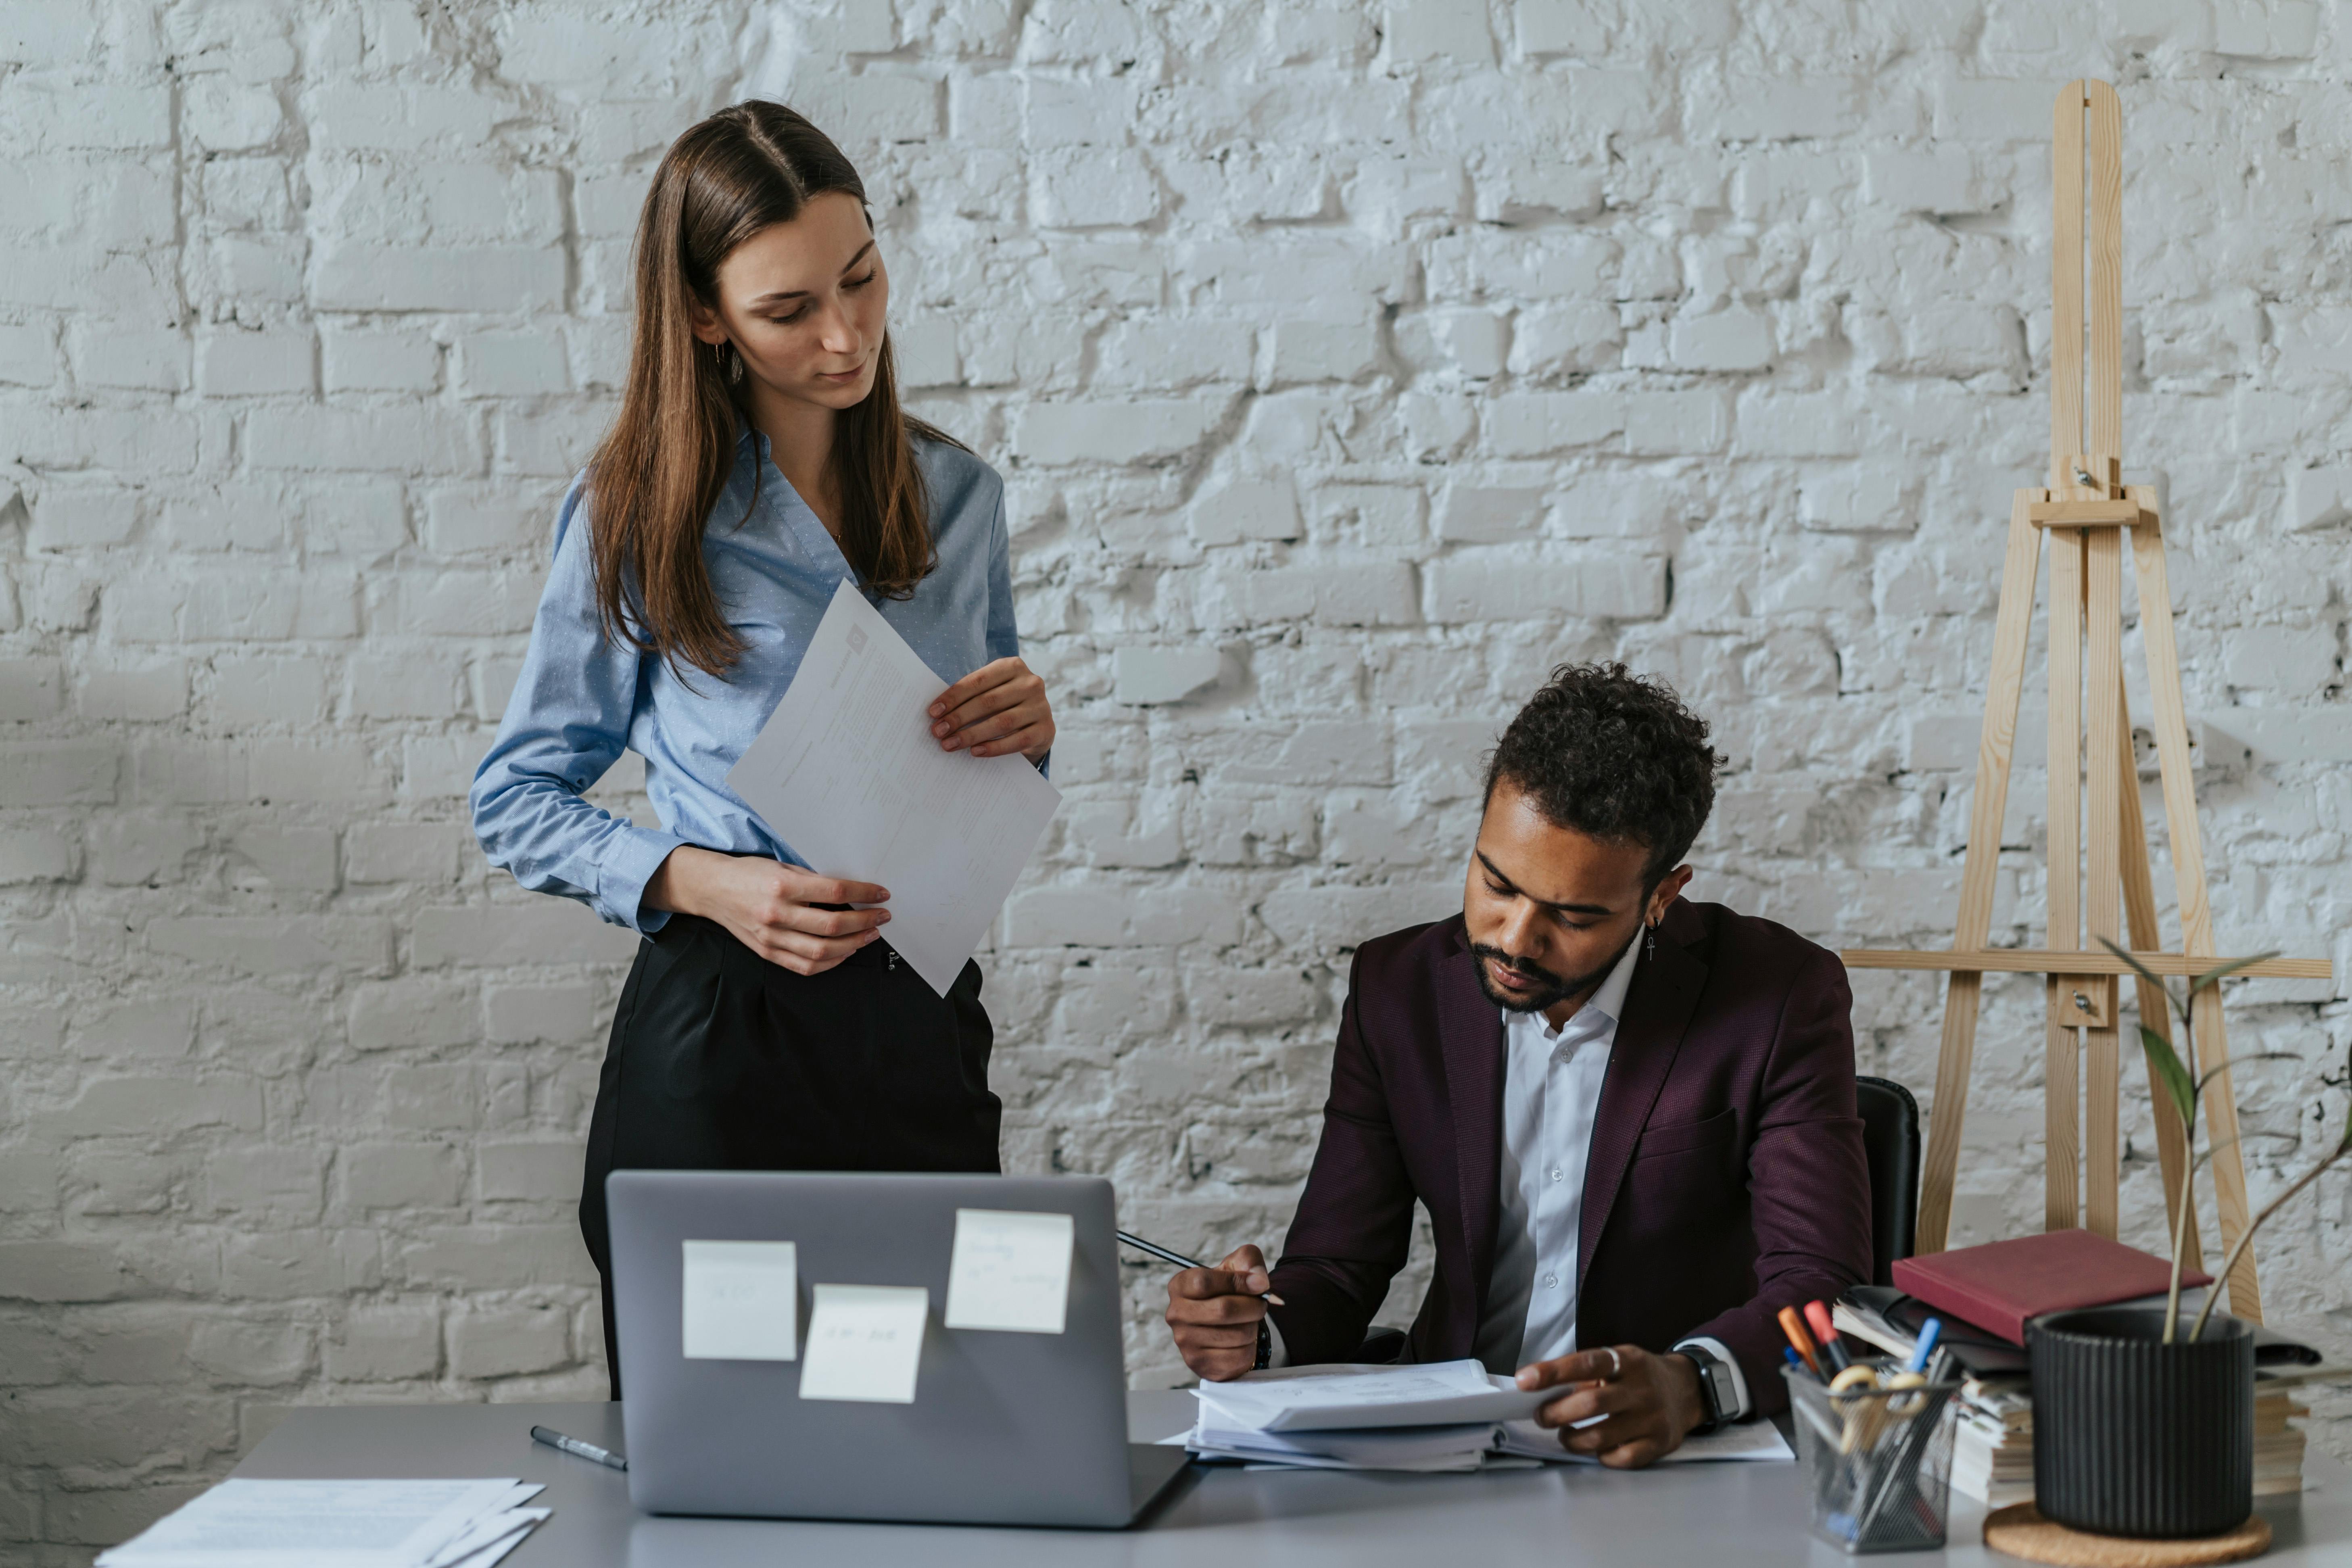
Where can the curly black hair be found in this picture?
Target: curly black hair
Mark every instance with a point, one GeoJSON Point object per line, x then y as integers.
{"type": "Point", "coordinates": [1615, 755]}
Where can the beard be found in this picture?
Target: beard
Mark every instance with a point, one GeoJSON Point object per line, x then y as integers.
{"type": "Point", "coordinates": [1550, 989]}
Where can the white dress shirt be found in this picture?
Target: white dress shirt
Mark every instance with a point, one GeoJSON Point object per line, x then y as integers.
{"type": "Point", "coordinates": [1551, 1093]}
{"type": "Point", "coordinates": [1551, 1090]}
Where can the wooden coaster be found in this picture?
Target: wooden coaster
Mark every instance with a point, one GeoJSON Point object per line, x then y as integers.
{"type": "Point", "coordinates": [2021, 1531]}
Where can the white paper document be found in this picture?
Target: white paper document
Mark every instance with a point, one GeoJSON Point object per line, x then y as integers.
{"type": "Point", "coordinates": [847, 772]}
{"type": "Point", "coordinates": [1330, 1399]}
{"type": "Point", "coordinates": [337, 1524]}
{"type": "Point", "coordinates": [1407, 1418]}
{"type": "Point", "coordinates": [1476, 1446]}
{"type": "Point", "coordinates": [866, 1343]}
{"type": "Point", "coordinates": [741, 1300]}
{"type": "Point", "coordinates": [492, 1535]}
{"type": "Point", "coordinates": [1010, 1271]}
{"type": "Point", "coordinates": [1742, 1440]}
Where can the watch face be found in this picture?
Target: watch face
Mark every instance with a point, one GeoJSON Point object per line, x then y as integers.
{"type": "Point", "coordinates": [1718, 1382]}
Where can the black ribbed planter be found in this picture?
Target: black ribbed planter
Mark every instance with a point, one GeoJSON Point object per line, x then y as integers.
{"type": "Point", "coordinates": [2134, 1436]}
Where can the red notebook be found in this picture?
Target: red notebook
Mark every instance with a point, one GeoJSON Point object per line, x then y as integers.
{"type": "Point", "coordinates": [2000, 1285]}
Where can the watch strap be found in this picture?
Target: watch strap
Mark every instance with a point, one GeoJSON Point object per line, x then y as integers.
{"type": "Point", "coordinates": [1710, 1398]}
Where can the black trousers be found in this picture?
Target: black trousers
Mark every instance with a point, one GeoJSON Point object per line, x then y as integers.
{"type": "Point", "coordinates": [722, 1061]}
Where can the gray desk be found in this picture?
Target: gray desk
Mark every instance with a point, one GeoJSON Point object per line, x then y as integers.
{"type": "Point", "coordinates": [1712, 1515]}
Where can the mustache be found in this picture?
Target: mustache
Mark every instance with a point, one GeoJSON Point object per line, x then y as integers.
{"type": "Point", "coordinates": [1520, 966]}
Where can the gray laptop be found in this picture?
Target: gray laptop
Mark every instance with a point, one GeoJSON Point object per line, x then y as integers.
{"type": "Point", "coordinates": [1005, 1428]}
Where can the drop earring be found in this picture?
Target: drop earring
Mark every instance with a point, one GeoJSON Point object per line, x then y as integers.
{"type": "Point", "coordinates": [1653, 952]}
{"type": "Point", "coordinates": [734, 364]}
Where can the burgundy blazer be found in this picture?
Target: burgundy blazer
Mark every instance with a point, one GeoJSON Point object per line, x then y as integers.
{"type": "Point", "coordinates": [1725, 1180]}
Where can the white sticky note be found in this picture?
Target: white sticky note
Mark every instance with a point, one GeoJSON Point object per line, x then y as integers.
{"type": "Point", "coordinates": [742, 1300]}
{"type": "Point", "coordinates": [1010, 1271]}
{"type": "Point", "coordinates": [866, 1343]}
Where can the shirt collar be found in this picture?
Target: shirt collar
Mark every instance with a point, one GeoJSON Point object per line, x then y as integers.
{"type": "Point", "coordinates": [1604, 1006]}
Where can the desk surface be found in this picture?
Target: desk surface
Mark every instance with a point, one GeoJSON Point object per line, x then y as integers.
{"type": "Point", "coordinates": [1698, 1514]}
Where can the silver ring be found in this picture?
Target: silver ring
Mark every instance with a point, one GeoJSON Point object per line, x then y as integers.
{"type": "Point", "coordinates": [1616, 1362]}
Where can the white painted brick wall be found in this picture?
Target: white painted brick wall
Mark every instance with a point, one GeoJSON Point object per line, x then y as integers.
{"type": "Point", "coordinates": [1348, 366]}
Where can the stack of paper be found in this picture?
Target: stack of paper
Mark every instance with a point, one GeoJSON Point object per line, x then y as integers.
{"type": "Point", "coordinates": [1450, 1416]}
{"type": "Point", "coordinates": [338, 1524]}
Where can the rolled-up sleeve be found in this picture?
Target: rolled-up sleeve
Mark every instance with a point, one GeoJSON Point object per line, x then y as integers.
{"type": "Point", "coordinates": [566, 723]}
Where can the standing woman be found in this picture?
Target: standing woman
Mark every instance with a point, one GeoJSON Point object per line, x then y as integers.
{"type": "Point", "coordinates": [760, 458]}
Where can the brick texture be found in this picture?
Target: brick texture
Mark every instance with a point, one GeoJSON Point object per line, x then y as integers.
{"type": "Point", "coordinates": [1347, 365]}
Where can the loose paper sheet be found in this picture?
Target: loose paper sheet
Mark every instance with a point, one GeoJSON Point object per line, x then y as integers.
{"type": "Point", "coordinates": [847, 772]}
{"type": "Point", "coordinates": [866, 1343]}
{"type": "Point", "coordinates": [492, 1535]}
{"type": "Point", "coordinates": [1010, 1271]}
{"type": "Point", "coordinates": [318, 1524]}
{"type": "Point", "coordinates": [1742, 1441]}
{"type": "Point", "coordinates": [741, 1300]}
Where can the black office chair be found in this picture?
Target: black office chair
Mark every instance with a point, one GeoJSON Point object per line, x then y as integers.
{"type": "Point", "coordinates": [1890, 1149]}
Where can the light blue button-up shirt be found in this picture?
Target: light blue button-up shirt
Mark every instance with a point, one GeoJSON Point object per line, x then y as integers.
{"type": "Point", "coordinates": [582, 699]}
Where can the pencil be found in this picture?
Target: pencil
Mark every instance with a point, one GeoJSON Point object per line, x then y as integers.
{"type": "Point", "coordinates": [1180, 1261]}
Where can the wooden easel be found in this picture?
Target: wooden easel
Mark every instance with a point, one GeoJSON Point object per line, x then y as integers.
{"type": "Point", "coordinates": [2084, 512]}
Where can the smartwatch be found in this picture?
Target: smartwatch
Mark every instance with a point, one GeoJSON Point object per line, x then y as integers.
{"type": "Point", "coordinates": [1716, 1397]}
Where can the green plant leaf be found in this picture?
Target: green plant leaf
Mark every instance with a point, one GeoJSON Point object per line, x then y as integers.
{"type": "Point", "coordinates": [2142, 970]}
{"type": "Point", "coordinates": [2175, 1078]}
{"type": "Point", "coordinates": [2199, 982]}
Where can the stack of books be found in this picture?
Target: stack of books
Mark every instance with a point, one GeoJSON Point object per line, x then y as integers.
{"type": "Point", "coordinates": [1992, 1444]}
{"type": "Point", "coordinates": [1984, 1295]}
{"type": "Point", "coordinates": [2278, 1447]}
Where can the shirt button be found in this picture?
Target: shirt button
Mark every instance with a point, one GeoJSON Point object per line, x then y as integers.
{"type": "Point", "coordinates": [1551, 1281]}
{"type": "Point", "coordinates": [1555, 1175]}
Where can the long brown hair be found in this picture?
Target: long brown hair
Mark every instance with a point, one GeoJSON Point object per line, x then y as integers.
{"type": "Point", "coordinates": [664, 465]}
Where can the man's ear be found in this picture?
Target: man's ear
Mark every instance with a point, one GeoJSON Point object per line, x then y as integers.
{"type": "Point", "coordinates": [1670, 887]}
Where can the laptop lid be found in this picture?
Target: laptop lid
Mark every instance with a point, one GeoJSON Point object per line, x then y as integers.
{"type": "Point", "coordinates": [1005, 1426]}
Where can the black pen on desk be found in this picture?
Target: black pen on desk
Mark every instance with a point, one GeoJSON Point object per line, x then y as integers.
{"type": "Point", "coordinates": [554, 1439]}
{"type": "Point", "coordinates": [1180, 1261]}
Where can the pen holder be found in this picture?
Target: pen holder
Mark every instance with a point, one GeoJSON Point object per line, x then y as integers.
{"type": "Point", "coordinates": [1879, 1462]}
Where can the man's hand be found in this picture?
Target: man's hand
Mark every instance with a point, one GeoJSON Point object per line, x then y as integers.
{"type": "Point", "coordinates": [1215, 1313]}
{"type": "Point", "coordinates": [777, 910]}
{"type": "Point", "coordinates": [994, 711]}
{"type": "Point", "coordinates": [1651, 1402]}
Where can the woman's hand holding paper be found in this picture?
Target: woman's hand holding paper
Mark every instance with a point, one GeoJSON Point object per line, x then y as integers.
{"type": "Point", "coordinates": [996, 711]}
{"type": "Point", "coordinates": [787, 915]}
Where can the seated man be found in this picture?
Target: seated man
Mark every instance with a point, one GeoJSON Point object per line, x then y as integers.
{"type": "Point", "coordinates": [1631, 1117]}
